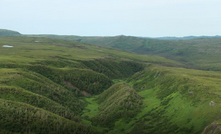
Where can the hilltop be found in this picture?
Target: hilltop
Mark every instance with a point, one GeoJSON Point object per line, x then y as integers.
{"type": "Point", "coordinates": [4, 32]}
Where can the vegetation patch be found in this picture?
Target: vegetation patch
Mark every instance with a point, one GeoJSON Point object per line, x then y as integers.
{"type": "Point", "coordinates": [119, 101]}
{"type": "Point", "coordinates": [60, 86]}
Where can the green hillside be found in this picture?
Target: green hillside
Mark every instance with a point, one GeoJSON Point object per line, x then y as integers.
{"type": "Point", "coordinates": [4, 32]}
{"type": "Point", "coordinates": [62, 86]}
{"type": "Point", "coordinates": [119, 101]}
{"type": "Point", "coordinates": [199, 53]}
{"type": "Point", "coordinates": [166, 100]}
{"type": "Point", "coordinates": [51, 78]}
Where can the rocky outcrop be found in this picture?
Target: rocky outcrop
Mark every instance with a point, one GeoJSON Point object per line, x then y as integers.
{"type": "Point", "coordinates": [214, 128]}
{"type": "Point", "coordinates": [212, 103]}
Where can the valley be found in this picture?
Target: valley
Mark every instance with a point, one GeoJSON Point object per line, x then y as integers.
{"type": "Point", "coordinates": [95, 86]}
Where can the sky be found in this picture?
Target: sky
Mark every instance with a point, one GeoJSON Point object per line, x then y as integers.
{"type": "Point", "coordinates": [147, 18]}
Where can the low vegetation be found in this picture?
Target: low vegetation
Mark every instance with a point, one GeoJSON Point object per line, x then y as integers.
{"type": "Point", "coordinates": [118, 102]}
{"type": "Point", "coordinates": [61, 86]}
{"type": "Point", "coordinates": [193, 52]}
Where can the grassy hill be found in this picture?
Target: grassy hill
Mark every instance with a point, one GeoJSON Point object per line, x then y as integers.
{"type": "Point", "coordinates": [47, 80]}
{"type": "Point", "coordinates": [63, 86]}
{"type": "Point", "coordinates": [185, 99]}
{"type": "Point", "coordinates": [120, 101]}
{"type": "Point", "coordinates": [198, 53]}
{"type": "Point", "coordinates": [4, 32]}
{"type": "Point", "coordinates": [166, 100]}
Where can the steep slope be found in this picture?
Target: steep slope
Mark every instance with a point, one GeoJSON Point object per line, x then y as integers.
{"type": "Point", "coordinates": [22, 95]}
{"type": "Point", "coordinates": [24, 118]}
{"type": "Point", "coordinates": [120, 101]}
{"type": "Point", "coordinates": [59, 86]}
{"type": "Point", "coordinates": [44, 80]}
{"type": "Point", "coordinates": [185, 101]}
{"type": "Point", "coordinates": [75, 79]}
{"type": "Point", "coordinates": [114, 68]}
{"type": "Point", "coordinates": [168, 100]}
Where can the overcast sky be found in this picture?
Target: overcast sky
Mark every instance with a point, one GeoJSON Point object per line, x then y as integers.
{"type": "Point", "coordinates": [150, 18]}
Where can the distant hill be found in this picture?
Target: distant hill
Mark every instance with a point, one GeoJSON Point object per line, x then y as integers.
{"type": "Point", "coordinates": [199, 52]}
{"type": "Point", "coordinates": [185, 37]}
{"type": "Point", "coordinates": [196, 52]}
{"type": "Point", "coordinates": [5, 32]}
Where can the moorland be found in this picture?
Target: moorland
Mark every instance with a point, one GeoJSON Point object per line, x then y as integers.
{"type": "Point", "coordinates": [121, 85]}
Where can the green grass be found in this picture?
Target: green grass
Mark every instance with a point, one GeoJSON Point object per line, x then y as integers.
{"type": "Point", "coordinates": [183, 111]}
{"type": "Point", "coordinates": [200, 53]}
{"type": "Point", "coordinates": [27, 51]}
{"type": "Point", "coordinates": [24, 118]}
{"type": "Point", "coordinates": [126, 92]}
{"type": "Point", "coordinates": [91, 109]}
{"type": "Point", "coordinates": [50, 75]}
{"type": "Point", "coordinates": [185, 105]}
{"type": "Point", "coordinates": [149, 102]}
{"type": "Point", "coordinates": [119, 101]}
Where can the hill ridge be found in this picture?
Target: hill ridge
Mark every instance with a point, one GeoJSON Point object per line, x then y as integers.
{"type": "Point", "coordinates": [5, 32]}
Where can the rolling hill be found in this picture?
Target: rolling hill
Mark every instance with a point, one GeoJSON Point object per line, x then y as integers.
{"type": "Point", "coordinates": [64, 86]}
{"type": "Point", "coordinates": [196, 52]}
